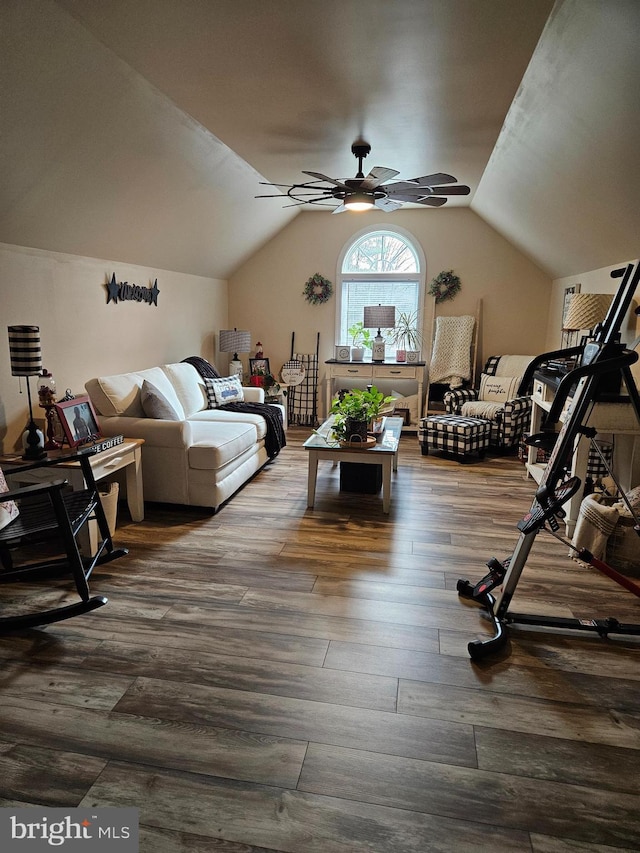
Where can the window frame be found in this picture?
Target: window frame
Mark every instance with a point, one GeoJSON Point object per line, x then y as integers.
{"type": "Point", "coordinates": [342, 277]}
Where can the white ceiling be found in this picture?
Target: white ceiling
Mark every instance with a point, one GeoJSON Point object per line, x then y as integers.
{"type": "Point", "coordinates": [140, 129]}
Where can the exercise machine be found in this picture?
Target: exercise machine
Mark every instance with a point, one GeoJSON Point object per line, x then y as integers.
{"type": "Point", "coordinates": [604, 365]}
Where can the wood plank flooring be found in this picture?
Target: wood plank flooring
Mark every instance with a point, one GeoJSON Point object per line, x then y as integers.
{"type": "Point", "coordinates": [274, 678]}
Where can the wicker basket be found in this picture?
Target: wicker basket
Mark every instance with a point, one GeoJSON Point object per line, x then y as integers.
{"type": "Point", "coordinates": [623, 548]}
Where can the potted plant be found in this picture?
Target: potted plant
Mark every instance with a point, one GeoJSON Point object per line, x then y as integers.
{"type": "Point", "coordinates": [355, 412]}
{"type": "Point", "coordinates": [406, 337]}
{"type": "Point", "coordinates": [360, 340]}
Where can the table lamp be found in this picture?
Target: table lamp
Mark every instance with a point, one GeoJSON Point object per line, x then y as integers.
{"type": "Point", "coordinates": [585, 311]}
{"type": "Point", "coordinates": [232, 340]}
{"type": "Point", "coordinates": [380, 317]}
{"type": "Point", "coordinates": [26, 360]}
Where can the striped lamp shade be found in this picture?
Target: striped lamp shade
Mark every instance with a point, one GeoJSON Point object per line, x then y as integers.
{"type": "Point", "coordinates": [25, 350]}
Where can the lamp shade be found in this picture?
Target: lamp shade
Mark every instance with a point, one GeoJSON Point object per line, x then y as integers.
{"type": "Point", "coordinates": [25, 350]}
{"type": "Point", "coordinates": [586, 310]}
{"type": "Point", "coordinates": [379, 316]}
{"type": "Point", "coordinates": [232, 340]}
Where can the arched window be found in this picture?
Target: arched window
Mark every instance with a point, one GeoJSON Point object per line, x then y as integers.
{"type": "Point", "coordinates": [379, 267]}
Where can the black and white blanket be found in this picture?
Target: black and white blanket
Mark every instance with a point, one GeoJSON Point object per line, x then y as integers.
{"type": "Point", "coordinates": [275, 438]}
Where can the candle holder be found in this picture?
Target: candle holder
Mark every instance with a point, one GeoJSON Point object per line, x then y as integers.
{"type": "Point", "coordinates": [47, 401]}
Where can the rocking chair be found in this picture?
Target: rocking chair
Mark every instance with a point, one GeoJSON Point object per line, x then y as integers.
{"type": "Point", "coordinates": [49, 511]}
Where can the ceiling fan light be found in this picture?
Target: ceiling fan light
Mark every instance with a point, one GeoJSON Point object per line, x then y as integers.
{"type": "Point", "coordinates": [359, 201]}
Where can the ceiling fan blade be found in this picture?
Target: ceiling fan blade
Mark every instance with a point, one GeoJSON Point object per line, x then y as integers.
{"type": "Point", "coordinates": [377, 176]}
{"type": "Point", "coordinates": [432, 201]}
{"type": "Point", "coordinates": [320, 177]}
{"type": "Point", "coordinates": [459, 189]}
{"type": "Point", "coordinates": [387, 204]}
{"type": "Point", "coordinates": [339, 209]}
{"type": "Point", "coordinates": [432, 180]}
{"type": "Point", "coordinates": [407, 193]}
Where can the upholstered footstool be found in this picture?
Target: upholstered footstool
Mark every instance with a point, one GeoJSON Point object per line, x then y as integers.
{"type": "Point", "coordinates": [454, 434]}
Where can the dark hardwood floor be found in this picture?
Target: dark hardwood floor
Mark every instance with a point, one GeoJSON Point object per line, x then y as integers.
{"type": "Point", "coordinates": [274, 678]}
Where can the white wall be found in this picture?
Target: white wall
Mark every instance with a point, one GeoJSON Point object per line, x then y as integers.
{"type": "Point", "coordinates": [594, 281]}
{"type": "Point", "coordinates": [265, 293]}
{"type": "Point", "coordinates": [83, 336]}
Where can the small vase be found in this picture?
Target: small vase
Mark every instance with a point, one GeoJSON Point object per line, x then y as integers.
{"type": "Point", "coordinates": [401, 355]}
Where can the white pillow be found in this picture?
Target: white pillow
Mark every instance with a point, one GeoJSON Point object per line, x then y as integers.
{"type": "Point", "coordinates": [498, 389]}
{"type": "Point", "coordinates": [227, 389]}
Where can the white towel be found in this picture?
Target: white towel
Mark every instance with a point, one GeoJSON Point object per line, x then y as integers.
{"type": "Point", "coordinates": [451, 356]}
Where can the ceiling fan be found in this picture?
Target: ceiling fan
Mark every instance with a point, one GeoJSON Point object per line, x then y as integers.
{"type": "Point", "coordinates": [364, 193]}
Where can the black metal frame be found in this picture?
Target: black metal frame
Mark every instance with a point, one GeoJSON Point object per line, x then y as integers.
{"type": "Point", "coordinates": [48, 510]}
{"type": "Point", "coordinates": [604, 362]}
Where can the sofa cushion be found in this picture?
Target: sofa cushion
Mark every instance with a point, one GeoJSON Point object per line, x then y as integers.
{"type": "Point", "coordinates": [227, 389]}
{"type": "Point", "coordinates": [213, 449]}
{"type": "Point", "coordinates": [120, 394]}
{"type": "Point", "coordinates": [188, 386]}
{"type": "Point", "coordinates": [155, 404]}
{"type": "Point", "coordinates": [226, 416]}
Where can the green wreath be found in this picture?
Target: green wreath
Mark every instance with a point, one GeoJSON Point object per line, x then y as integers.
{"type": "Point", "coordinates": [445, 285]}
{"type": "Point", "coordinates": [317, 289]}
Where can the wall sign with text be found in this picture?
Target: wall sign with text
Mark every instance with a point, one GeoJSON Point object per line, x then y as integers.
{"type": "Point", "coordinates": [122, 290]}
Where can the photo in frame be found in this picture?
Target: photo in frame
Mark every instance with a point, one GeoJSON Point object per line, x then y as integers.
{"type": "Point", "coordinates": [568, 338]}
{"type": "Point", "coordinates": [79, 421]}
{"type": "Point", "coordinates": [259, 367]}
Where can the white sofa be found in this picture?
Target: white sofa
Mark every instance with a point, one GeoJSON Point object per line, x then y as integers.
{"type": "Point", "coordinates": [200, 459]}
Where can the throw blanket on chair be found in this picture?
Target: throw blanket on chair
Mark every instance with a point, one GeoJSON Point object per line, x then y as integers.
{"type": "Point", "coordinates": [274, 439]}
{"type": "Point", "coordinates": [451, 356]}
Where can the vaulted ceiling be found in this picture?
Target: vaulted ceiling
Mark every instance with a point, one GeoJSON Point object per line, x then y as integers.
{"type": "Point", "coordinates": [141, 129]}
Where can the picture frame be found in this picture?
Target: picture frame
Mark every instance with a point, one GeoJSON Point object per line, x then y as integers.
{"type": "Point", "coordinates": [78, 420]}
{"type": "Point", "coordinates": [568, 338]}
{"type": "Point", "coordinates": [259, 366]}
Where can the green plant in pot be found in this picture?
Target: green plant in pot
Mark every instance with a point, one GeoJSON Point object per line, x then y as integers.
{"type": "Point", "coordinates": [360, 340]}
{"type": "Point", "coordinates": [355, 411]}
{"type": "Point", "coordinates": [406, 336]}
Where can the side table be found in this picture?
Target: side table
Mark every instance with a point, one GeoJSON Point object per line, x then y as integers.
{"type": "Point", "coordinates": [127, 456]}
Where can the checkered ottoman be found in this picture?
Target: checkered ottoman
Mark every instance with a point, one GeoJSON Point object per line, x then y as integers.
{"type": "Point", "coordinates": [454, 434]}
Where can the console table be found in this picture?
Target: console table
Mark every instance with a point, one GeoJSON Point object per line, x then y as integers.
{"type": "Point", "coordinates": [614, 418]}
{"type": "Point", "coordinates": [370, 371]}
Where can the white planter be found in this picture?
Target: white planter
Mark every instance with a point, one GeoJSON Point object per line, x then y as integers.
{"type": "Point", "coordinates": [357, 353]}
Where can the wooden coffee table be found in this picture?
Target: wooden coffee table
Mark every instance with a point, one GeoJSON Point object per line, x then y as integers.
{"type": "Point", "coordinates": [385, 453]}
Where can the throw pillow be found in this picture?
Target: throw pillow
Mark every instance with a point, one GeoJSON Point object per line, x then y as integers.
{"type": "Point", "coordinates": [227, 389]}
{"type": "Point", "coordinates": [8, 509]}
{"type": "Point", "coordinates": [212, 403]}
{"type": "Point", "coordinates": [155, 404]}
{"type": "Point", "coordinates": [498, 389]}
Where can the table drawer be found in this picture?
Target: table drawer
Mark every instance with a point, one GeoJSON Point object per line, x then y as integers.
{"type": "Point", "coordinates": [353, 370]}
{"type": "Point", "coordinates": [543, 393]}
{"type": "Point", "coordinates": [391, 372]}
